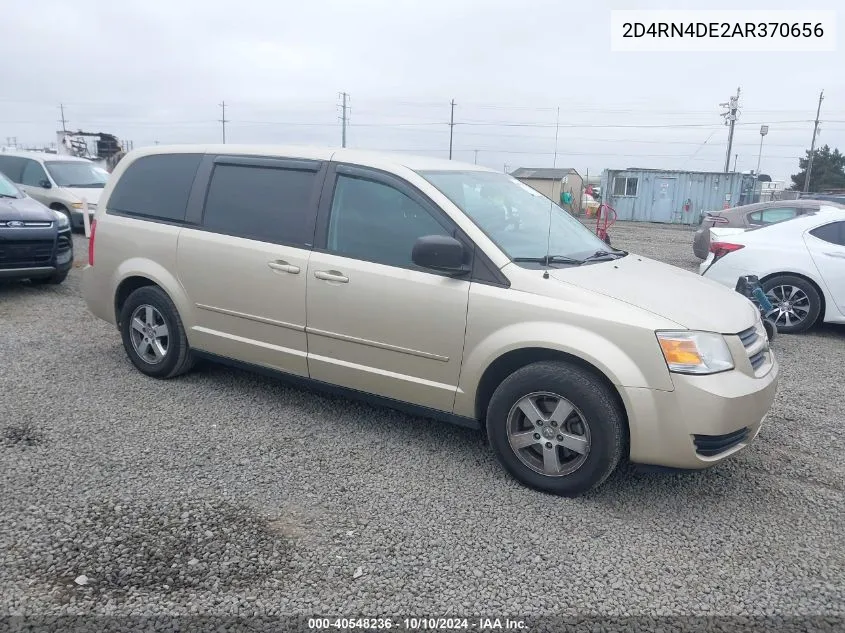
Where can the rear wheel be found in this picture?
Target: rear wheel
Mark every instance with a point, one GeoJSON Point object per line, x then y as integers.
{"type": "Point", "coordinates": [153, 335]}
{"type": "Point", "coordinates": [556, 427]}
{"type": "Point", "coordinates": [795, 301]}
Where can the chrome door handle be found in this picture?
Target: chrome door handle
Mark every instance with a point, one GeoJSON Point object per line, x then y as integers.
{"type": "Point", "coordinates": [837, 255]}
{"type": "Point", "coordinates": [331, 275]}
{"type": "Point", "coordinates": [284, 267]}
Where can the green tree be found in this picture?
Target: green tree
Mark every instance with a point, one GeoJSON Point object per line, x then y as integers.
{"type": "Point", "coordinates": [828, 170]}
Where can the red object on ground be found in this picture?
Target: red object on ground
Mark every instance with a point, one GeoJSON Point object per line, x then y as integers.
{"type": "Point", "coordinates": [605, 218]}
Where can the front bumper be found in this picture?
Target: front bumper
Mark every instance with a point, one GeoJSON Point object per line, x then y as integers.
{"type": "Point", "coordinates": [703, 421]}
{"type": "Point", "coordinates": [27, 253]}
{"type": "Point", "coordinates": [76, 219]}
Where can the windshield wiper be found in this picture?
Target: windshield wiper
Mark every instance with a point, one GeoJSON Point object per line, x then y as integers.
{"type": "Point", "coordinates": [549, 259]}
{"type": "Point", "coordinates": [602, 255]}
{"type": "Point", "coordinates": [8, 195]}
{"type": "Point", "coordinates": [88, 185]}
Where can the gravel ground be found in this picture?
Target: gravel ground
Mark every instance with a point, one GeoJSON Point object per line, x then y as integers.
{"type": "Point", "coordinates": [226, 493]}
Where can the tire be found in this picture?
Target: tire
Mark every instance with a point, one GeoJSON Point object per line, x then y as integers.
{"type": "Point", "coordinates": [54, 279]}
{"type": "Point", "coordinates": [176, 358]}
{"type": "Point", "coordinates": [778, 287]}
{"type": "Point", "coordinates": [601, 420]}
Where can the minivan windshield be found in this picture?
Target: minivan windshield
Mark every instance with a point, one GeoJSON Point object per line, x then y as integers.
{"type": "Point", "coordinates": [77, 174]}
{"type": "Point", "coordinates": [8, 189]}
{"type": "Point", "coordinates": [524, 223]}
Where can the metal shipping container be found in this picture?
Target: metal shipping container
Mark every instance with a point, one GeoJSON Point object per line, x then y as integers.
{"type": "Point", "coordinates": [681, 197]}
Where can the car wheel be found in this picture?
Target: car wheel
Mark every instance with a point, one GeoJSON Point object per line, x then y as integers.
{"type": "Point", "coordinates": [796, 303]}
{"type": "Point", "coordinates": [153, 335]}
{"type": "Point", "coordinates": [556, 427]}
{"type": "Point", "coordinates": [54, 279]}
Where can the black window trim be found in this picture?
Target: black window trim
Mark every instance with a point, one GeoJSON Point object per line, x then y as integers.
{"type": "Point", "coordinates": [202, 185]}
{"type": "Point", "coordinates": [482, 268]}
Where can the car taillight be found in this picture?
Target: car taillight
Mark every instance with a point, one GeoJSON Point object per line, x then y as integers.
{"type": "Point", "coordinates": [720, 249]}
{"type": "Point", "coordinates": [91, 243]}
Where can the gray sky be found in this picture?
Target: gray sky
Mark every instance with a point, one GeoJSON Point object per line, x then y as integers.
{"type": "Point", "coordinates": [150, 70]}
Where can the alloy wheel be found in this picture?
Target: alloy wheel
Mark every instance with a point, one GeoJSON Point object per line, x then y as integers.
{"type": "Point", "coordinates": [149, 334]}
{"type": "Point", "coordinates": [548, 434]}
{"type": "Point", "coordinates": [790, 305]}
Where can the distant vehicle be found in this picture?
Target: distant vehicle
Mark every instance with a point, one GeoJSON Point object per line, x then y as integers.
{"type": "Point", "coordinates": [749, 216]}
{"type": "Point", "coordinates": [35, 242]}
{"type": "Point", "coordinates": [800, 263]}
{"type": "Point", "coordinates": [827, 197]}
{"type": "Point", "coordinates": [413, 282]}
{"type": "Point", "coordinates": [58, 182]}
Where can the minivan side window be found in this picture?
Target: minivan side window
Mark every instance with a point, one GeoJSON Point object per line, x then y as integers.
{"type": "Point", "coordinates": [833, 233]}
{"type": "Point", "coordinates": [261, 203]}
{"type": "Point", "coordinates": [12, 167]}
{"type": "Point", "coordinates": [375, 222]}
{"type": "Point", "coordinates": [33, 174]}
{"type": "Point", "coordinates": [156, 186]}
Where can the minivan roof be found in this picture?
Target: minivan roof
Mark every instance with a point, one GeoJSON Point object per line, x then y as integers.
{"type": "Point", "coordinates": [366, 158]}
{"type": "Point", "coordinates": [44, 156]}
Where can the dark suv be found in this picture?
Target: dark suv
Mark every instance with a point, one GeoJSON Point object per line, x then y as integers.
{"type": "Point", "coordinates": [35, 242]}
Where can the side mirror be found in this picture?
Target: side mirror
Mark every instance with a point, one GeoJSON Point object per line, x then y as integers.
{"type": "Point", "coordinates": [45, 184]}
{"type": "Point", "coordinates": [441, 253]}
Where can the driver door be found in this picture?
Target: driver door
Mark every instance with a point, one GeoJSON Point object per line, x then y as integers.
{"type": "Point", "coordinates": [33, 178]}
{"type": "Point", "coordinates": [376, 322]}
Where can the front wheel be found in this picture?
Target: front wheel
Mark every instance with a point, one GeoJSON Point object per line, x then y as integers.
{"type": "Point", "coordinates": [556, 427]}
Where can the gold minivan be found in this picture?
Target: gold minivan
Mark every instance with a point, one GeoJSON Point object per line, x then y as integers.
{"type": "Point", "coordinates": [449, 290]}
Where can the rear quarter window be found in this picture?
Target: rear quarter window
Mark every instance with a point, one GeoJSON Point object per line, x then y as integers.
{"type": "Point", "coordinates": [833, 233]}
{"type": "Point", "coordinates": [156, 187]}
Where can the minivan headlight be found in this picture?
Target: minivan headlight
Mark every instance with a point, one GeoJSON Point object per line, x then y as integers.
{"type": "Point", "coordinates": [61, 219]}
{"type": "Point", "coordinates": [690, 352]}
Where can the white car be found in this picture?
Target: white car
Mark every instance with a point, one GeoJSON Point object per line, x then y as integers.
{"type": "Point", "coordinates": [800, 263]}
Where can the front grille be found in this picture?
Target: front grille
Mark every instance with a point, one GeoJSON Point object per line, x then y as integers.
{"type": "Point", "coordinates": [26, 253]}
{"type": "Point", "coordinates": [749, 336]}
{"type": "Point", "coordinates": [63, 243]}
{"type": "Point", "coordinates": [758, 359]}
{"type": "Point", "coordinates": [710, 445]}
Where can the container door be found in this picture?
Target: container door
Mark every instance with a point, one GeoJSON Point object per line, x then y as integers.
{"type": "Point", "coordinates": [664, 194]}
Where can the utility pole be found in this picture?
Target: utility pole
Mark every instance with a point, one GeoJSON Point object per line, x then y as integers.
{"type": "Point", "coordinates": [764, 129]}
{"type": "Point", "coordinates": [557, 129]}
{"type": "Point", "coordinates": [224, 121]}
{"type": "Point", "coordinates": [343, 118]}
{"type": "Point", "coordinates": [730, 119]}
{"type": "Point", "coordinates": [736, 157]}
{"type": "Point", "coordinates": [63, 121]}
{"type": "Point", "coordinates": [476, 157]}
{"type": "Point", "coordinates": [451, 128]}
{"type": "Point", "coordinates": [505, 168]}
{"type": "Point", "coordinates": [813, 144]}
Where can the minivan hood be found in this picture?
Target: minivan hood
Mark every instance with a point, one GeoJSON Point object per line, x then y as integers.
{"type": "Point", "coordinates": [91, 195]}
{"type": "Point", "coordinates": [689, 300]}
{"type": "Point", "coordinates": [25, 210]}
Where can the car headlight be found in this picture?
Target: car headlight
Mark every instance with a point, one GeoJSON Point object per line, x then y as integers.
{"type": "Point", "coordinates": [61, 219]}
{"type": "Point", "coordinates": [688, 352]}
